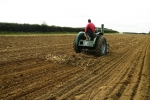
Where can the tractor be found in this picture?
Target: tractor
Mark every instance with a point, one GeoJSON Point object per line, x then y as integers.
{"type": "Point", "coordinates": [96, 44]}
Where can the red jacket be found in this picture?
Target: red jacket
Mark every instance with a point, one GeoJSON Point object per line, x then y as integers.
{"type": "Point", "coordinates": [90, 25]}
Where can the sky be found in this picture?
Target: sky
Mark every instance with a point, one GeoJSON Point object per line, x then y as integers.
{"type": "Point", "coordinates": [120, 15]}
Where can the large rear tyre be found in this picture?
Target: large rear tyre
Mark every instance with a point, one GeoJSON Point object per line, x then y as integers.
{"type": "Point", "coordinates": [101, 47]}
{"type": "Point", "coordinates": [76, 47]}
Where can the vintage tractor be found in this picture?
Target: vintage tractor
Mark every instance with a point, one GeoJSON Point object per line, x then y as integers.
{"type": "Point", "coordinates": [96, 44]}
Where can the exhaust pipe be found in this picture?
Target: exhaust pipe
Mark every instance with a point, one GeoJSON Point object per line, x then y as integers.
{"type": "Point", "coordinates": [102, 29]}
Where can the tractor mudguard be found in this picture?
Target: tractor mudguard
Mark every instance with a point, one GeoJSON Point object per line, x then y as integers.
{"type": "Point", "coordinates": [76, 46]}
{"type": "Point", "coordinates": [79, 36]}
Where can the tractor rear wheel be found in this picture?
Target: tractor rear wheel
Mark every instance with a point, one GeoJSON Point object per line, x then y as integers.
{"type": "Point", "coordinates": [101, 47]}
{"type": "Point", "coordinates": [76, 47]}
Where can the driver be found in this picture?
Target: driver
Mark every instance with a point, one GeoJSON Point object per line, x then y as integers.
{"type": "Point", "coordinates": [89, 29]}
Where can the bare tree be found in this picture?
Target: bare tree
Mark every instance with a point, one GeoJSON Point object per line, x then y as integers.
{"type": "Point", "coordinates": [44, 23]}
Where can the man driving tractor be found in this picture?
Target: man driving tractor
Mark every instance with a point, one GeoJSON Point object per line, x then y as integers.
{"type": "Point", "coordinates": [89, 29]}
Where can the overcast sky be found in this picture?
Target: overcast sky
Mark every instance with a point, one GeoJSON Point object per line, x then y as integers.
{"type": "Point", "coordinates": [120, 15]}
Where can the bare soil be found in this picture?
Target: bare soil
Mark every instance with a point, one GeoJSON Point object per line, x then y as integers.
{"type": "Point", "coordinates": [47, 68]}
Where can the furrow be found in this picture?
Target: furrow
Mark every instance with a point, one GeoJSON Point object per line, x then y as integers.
{"type": "Point", "coordinates": [73, 86]}
{"type": "Point", "coordinates": [135, 76]}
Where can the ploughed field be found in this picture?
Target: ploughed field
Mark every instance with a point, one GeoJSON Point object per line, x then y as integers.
{"type": "Point", "coordinates": [47, 68]}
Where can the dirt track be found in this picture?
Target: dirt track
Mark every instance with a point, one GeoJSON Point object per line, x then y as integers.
{"type": "Point", "coordinates": [47, 68]}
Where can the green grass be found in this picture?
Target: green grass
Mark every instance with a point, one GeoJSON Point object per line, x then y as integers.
{"type": "Point", "coordinates": [35, 33]}
{"type": "Point", "coordinates": [40, 33]}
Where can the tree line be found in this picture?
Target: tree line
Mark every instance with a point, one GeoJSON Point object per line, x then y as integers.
{"type": "Point", "coordinates": [15, 27]}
